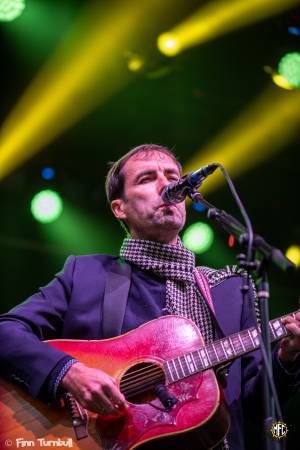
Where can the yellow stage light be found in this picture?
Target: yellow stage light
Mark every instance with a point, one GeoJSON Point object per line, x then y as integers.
{"type": "Point", "coordinates": [218, 17]}
{"type": "Point", "coordinates": [87, 69]}
{"type": "Point", "coordinates": [281, 82]}
{"type": "Point", "coordinates": [264, 128]}
{"type": "Point", "coordinates": [293, 253]}
{"type": "Point", "coordinates": [135, 63]}
{"type": "Point", "coordinates": [168, 44]}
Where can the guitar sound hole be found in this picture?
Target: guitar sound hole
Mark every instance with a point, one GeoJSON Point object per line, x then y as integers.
{"type": "Point", "coordinates": [138, 383]}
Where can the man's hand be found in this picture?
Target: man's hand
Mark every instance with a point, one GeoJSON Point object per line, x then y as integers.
{"type": "Point", "coordinates": [94, 390]}
{"type": "Point", "coordinates": [290, 346]}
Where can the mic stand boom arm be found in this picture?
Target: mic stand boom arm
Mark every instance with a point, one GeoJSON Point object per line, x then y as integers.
{"type": "Point", "coordinates": [234, 227]}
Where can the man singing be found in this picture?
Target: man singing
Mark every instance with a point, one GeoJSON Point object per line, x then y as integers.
{"type": "Point", "coordinates": [162, 282]}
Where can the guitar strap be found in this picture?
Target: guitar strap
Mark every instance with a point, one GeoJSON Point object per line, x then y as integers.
{"type": "Point", "coordinates": [204, 288]}
{"type": "Point", "coordinates": [115, 298]}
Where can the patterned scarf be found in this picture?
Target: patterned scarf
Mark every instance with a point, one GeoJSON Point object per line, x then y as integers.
{"type": "Point", "coordinates": [176, 264]}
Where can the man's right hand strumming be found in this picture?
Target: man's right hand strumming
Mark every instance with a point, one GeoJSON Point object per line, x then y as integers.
{"type": "Point", "coordinates": [94, 389]}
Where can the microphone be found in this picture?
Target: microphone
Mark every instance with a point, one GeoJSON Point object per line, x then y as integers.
{"type": "Point", "coordinates": [176, 191]}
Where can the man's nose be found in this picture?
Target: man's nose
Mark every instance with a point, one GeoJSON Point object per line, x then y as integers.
{"type": "Point", "coordinates": [162, 183]}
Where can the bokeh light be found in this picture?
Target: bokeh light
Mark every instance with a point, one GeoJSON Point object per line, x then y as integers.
{"type": "Point", "coordinates": [48, 173]}
{"type": "Point", "coordinates": [11, 9]}
{"type": "Point", "coordinates": [289, 68]}
{"type": "Point", "coordinates": [198, 237]}
{"type": "Point", "coordinates": [46, 206]}
{"type": "Point", "coordinates": [293, 253]}
{"type": "Point", "coordinates": [168, 44]}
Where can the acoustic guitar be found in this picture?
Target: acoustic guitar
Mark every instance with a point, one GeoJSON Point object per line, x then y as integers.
{"type": "Point", "coordinates": [165, 372]}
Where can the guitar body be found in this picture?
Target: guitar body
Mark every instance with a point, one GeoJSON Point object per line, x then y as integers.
{"type": "Point", "coordinates": [199, 419]}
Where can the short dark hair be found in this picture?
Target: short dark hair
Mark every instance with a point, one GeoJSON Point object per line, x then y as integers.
{"type": "Point", "coordinates": [114, 183]}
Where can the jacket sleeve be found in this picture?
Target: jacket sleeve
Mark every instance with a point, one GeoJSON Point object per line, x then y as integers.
{"type": "Point", "coordinates": [24, 358]}
{"type": "Point", "coordinates": [286, 376]}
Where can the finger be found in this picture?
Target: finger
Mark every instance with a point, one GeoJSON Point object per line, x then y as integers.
{"type": "Point", "coordinates": [104, 405]}
{"type": "Point", "coordinates": [288, 319]}
{"type": "Point", "coordinates": [294, 328]}
{"type": "Point", "coordinates": [115, 396]}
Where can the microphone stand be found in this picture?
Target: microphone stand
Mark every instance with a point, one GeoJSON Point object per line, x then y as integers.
{"type": "Point", "coordinates": [254, 242]}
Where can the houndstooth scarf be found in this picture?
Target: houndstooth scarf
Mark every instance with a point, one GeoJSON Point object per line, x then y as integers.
{"type": "Point", "coordinates": [176, 264]}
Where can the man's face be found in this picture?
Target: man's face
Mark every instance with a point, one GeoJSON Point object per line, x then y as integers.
{"type": "Point", "coordinates": [142, 208]}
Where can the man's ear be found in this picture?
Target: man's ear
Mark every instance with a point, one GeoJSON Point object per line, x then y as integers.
{"type": "Point", "coordinates": [117, 207]}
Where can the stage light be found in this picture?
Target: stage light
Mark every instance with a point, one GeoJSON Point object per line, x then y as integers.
{"type": "Point", "coordinates": [265, 127]}
{"type": "Point", "coordinates": [135, 63]}
{"type": "Point", "coordinates": [199, 207]}
{"type": "Point", "coordinates": [168, 44]}
{"type": "Point", "coordinates": [293, 253]}
{"type": "Point", "coordinates": [280, 81]}
{"type": "Point", "coordinates": [217, 18]}
{"type": "Point", "coordinates": [11, 9]}
{"type": "Point", "coordinates": [198, 237]}
{"type": "Point", "coordinates": [46, 206]}
{"type": "Point", "coordinates": [85, 71]}
{"type": "Point", "coordinates": [289, 68]}
{"type": "Point", "coordinates": [48, 173]}
{"type": "Point", "coordinates": [295, 31]}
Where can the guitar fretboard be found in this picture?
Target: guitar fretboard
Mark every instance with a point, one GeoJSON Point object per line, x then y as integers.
{"type": "Point", "coordinates": [221, 351]}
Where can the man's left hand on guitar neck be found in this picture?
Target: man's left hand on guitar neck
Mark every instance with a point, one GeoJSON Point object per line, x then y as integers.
{"type": "Point", "coordinates": [290, 346]}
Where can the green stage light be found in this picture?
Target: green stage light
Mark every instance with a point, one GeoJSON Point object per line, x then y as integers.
{"type": "Point", "coordinates": [11, 9]}
{"type": "Point", "coordinates": [46, 206]}
{"type": "Point", "coordinates": [289, 69]}
{"type": "Point", "coordinates": [198, 237]}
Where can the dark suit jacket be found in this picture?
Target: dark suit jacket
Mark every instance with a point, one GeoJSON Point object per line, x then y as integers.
{"type": "Point", "coordinates": [71, 307]}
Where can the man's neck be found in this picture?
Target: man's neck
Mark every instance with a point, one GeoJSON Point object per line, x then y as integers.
{"type": "Point", "coordinates": [163, 240]}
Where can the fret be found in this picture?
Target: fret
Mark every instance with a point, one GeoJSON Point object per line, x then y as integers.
{"type": "Point", "coordinates": [169, 371]}
{"type": "Point", "coordinates": [254, 334]}
{"type": "Point", "coordinates": [220, 350]}
{"type": "Point", "coordinates": [176, 373]}
{"type": "Point", "coordinates": [241, 341]}
{"type": "Point", "coordinates": [227, 345]}
{"type": "Point", "coordinates": [178, 368]}
{"type": "Point", "coordinates": [181, 367]}
{"type": "Point", "coordinates": [212, 354]}
{"type": "Point", "coordinates": [191, 363]}
{"type": "Point", "coordinates": [185, 364]}
{"type": "Point", "coordinates": [192, 356]}
{"type": "Point", "coordinates": [236, 343]}
{"type": "Point", "coordinates": [201, 365]}
{"type": "Point", "coordinates": [250, 335]}
{"type": "Point", "coordinates": [204, 357]}
{"type": "Point", "coordinates": [216, 353]}
{"type": "Point", "coordinates": [278, 328]}
{"type": "Point", "coordinates": [197, 359]}
{"type": "Point", "coordinates": [223, 348]}
{"type": "Point", "coordinates": [247, 340]}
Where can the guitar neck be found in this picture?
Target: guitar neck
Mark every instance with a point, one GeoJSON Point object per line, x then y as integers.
{"type": "Point", "coordinates": [222, 350]}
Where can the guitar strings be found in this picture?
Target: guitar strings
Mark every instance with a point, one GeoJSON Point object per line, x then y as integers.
{"type": "Point", "coordinates": [140, 388]}
{"type": "Point", "coordinates": [142, 369]}
{"type": "Point", "coordinates": [133, 375]}
{"type": "Point", "coordinates": [142, 379]}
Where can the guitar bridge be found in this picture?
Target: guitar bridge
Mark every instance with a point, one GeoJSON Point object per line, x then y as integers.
{"type": "Point", "coordinates": [78, 415]}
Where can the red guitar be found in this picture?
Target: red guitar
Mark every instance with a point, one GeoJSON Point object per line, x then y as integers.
{"type": "Point", "coordinates": [164, 371]}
